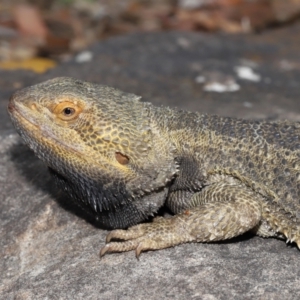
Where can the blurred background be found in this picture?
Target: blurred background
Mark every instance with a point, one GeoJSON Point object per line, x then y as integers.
{"type": "Point", "coordinates": [235, 58]}
{"type": "Point", "coordinates": [38, 34]}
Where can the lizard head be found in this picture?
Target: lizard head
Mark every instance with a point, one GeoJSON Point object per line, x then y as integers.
{"type": "Point", "coordinates": [97, 141]}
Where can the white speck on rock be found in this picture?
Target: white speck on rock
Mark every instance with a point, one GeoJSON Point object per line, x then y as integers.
{"type": "Point", "coordinates": [248, 104]}
{"type": "Point", "coordinates": [184, 43]}
{"type": "Point", "coordinates": [286, 65]}
{"type": "Point", "coordinates": [247, 73]}
{"type": "Point", "coordinates": [84, 56]}
{"type": "Point", "coordinates": [192, 4]}
{"type": "Point", "coordinates": [222, 87]}
{"type": "Point", "coordinates": [200, 79]}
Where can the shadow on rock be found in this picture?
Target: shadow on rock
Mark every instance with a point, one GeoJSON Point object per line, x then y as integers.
{"type": "Point", "coordinates": [35, 173]}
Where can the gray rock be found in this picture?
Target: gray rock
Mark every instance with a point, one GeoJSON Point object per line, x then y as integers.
{"type": "Point", "coordinates": [49, 249]}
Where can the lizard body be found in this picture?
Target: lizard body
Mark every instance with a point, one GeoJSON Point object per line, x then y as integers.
{"type": "Point", "coordinates": [123, 159]}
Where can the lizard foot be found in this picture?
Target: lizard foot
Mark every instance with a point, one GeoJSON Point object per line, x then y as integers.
{"type": "Point", "coordinates": [161, 233]}
{"type": "Point", "coordinates": [205, 223]}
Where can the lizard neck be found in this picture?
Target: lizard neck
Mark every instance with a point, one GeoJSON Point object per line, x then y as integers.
{"type": "Point", "coordinates": [184, 130]}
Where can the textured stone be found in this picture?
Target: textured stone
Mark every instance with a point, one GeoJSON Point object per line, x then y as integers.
{"type": "Point", "coordinates": [49, 249]}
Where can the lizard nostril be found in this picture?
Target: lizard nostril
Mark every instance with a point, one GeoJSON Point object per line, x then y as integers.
{"type": "Point", "coordinates": [33, 106]}
{"type": "Point", "coordinates": [11, 107]}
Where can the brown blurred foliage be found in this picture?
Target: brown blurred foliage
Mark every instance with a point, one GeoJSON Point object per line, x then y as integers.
{"type": "Point", "coordinates": [58, 28]}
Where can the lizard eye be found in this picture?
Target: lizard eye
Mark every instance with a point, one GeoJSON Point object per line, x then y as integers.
{"type": "Point", "coordinates": [67, 111]}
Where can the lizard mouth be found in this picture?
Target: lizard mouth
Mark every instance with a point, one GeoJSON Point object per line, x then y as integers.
{"type": "Point", "coordinates": [11, 107]}
{"type": "Point", "coordinates": [36, 132]}
{"type": "Point", "coordinates": [18, 116]}
{"type": "Point", "coordinates": [41, 134]}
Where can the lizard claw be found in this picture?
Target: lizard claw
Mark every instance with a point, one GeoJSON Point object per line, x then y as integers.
{"type": "Point", "coordinates": [138, 250]}
{"type": "Point", "coordinates": [130, 234]}
{"type": "Point", "coordinates": [114, 247]}
{"type": "Point", "coordinates": [118, 247]}
{"type": "Point", "coordinates": [143, 246]}
{"type": "Point", "coordinates": [104, 250]}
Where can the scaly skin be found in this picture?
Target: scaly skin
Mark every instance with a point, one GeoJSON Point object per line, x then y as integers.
{"type": "Point", "coordinates": [122, 160]}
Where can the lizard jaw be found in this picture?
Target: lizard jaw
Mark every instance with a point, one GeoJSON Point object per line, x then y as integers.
{"type": "Point", "coordinates": [22, 115]}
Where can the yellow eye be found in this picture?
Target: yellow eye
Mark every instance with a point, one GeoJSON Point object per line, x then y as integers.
{"type": "Point", "coordinates": [67, 111]}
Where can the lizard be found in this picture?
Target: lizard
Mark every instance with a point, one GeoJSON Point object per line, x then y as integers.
{"type": "Point", "coordinates": [123, 159]}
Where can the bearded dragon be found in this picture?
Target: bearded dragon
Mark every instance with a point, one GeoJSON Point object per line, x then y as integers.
{"type": "Point", "coordinates": [123, 159]}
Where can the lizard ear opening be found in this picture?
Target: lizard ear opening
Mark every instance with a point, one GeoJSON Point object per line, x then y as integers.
{"type": "Point", "coordinates": [121, 158]}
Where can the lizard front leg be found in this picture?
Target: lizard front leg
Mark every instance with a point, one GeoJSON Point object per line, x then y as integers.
{"type": "Point", "coordinates": [211, 220]}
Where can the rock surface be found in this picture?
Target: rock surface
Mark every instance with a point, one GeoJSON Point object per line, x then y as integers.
{"type": "Point", "coordinates": [49, 250]}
